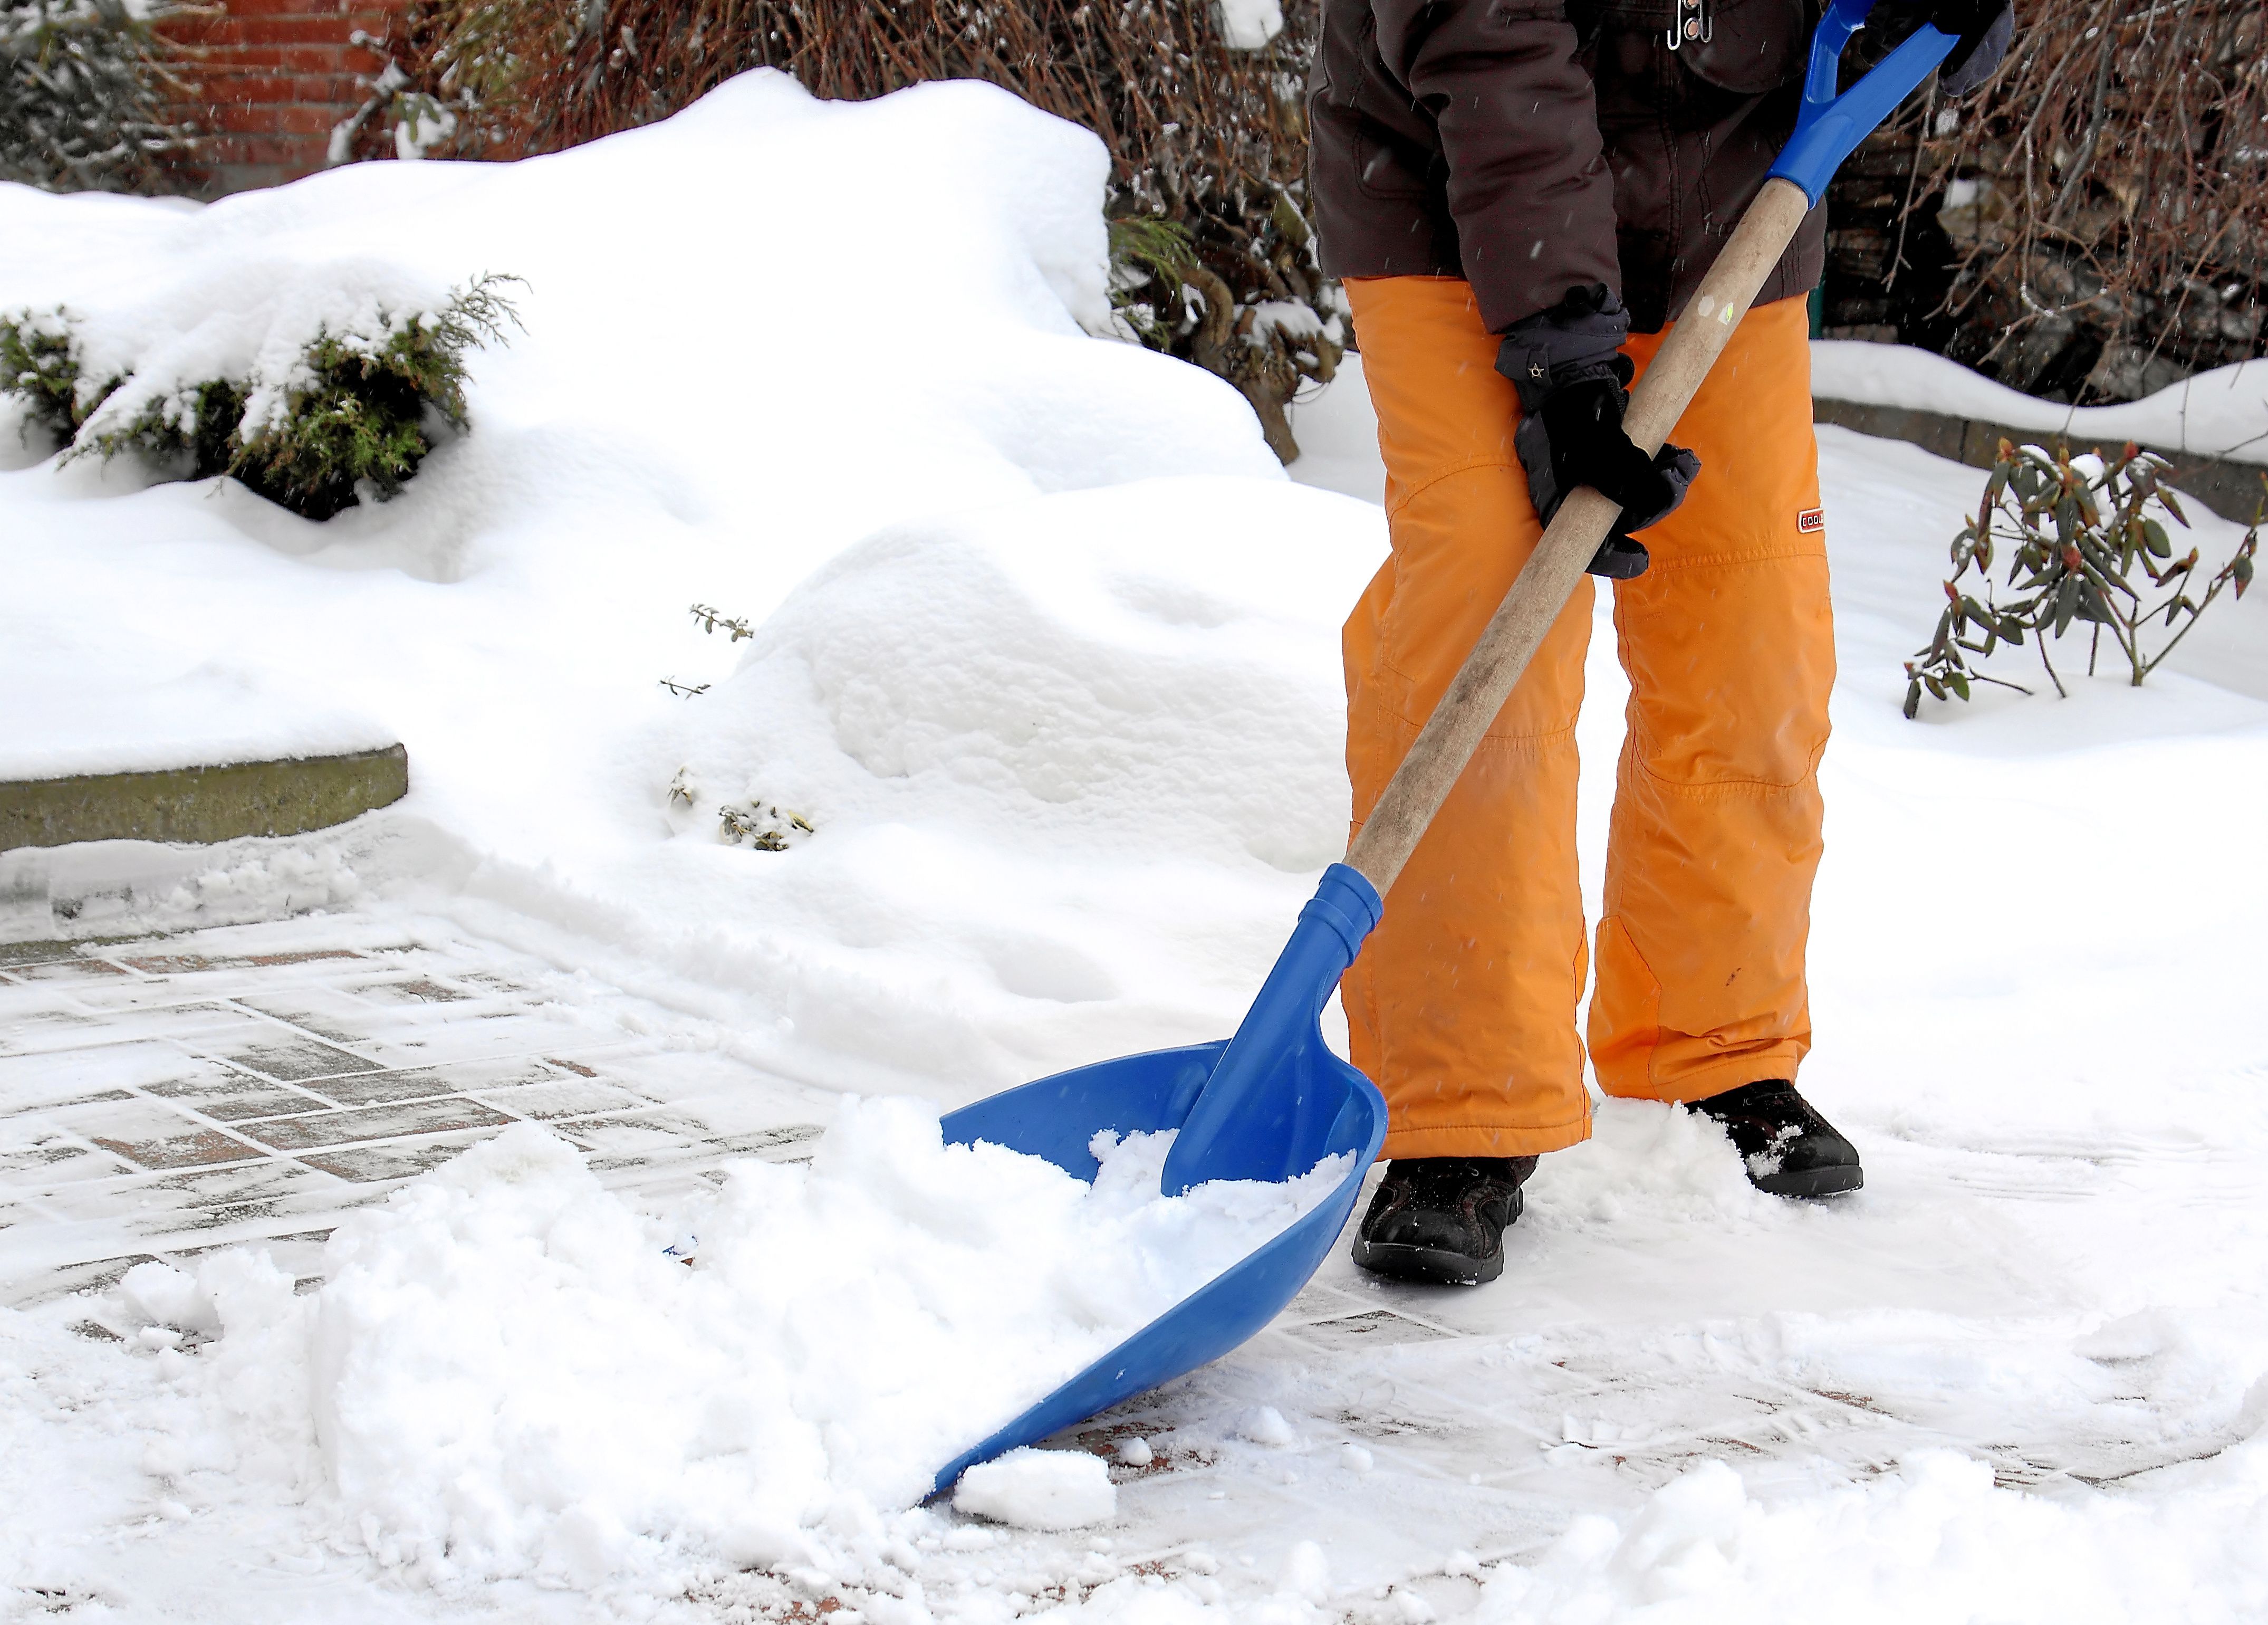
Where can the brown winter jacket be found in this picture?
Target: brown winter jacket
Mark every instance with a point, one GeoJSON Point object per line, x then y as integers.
{"type": "Point", "coordinates": [1533, 145]}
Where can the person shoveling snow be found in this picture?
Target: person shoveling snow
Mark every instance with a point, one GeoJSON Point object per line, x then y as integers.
{"type": "Point", "coordinates": [1515, 235]}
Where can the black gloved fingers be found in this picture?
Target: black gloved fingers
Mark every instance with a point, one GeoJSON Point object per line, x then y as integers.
{"type": "Point", "coordinates": [1674, 469]}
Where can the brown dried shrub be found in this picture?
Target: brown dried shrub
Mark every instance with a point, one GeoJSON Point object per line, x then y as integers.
{"type": "Point", "coordinates": [2105, 200]}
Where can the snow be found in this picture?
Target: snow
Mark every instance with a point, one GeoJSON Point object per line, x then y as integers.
{"type": "Point", "coordinates": [1046, 652]}
{"type": "Point", "coordinates": [1249, 24]}
{"type": "Point", "coordinates": [139, 716]}
{"type": "Point", "coordinates": [2222, 413]}
{"type": "Point", "coordinates": [1039, 1489]}
{"type": "Point", "coordinates": [506, 1374]}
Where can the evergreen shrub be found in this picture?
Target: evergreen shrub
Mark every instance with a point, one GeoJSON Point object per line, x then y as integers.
{"type": "Point", "coordinates": [38, 366]}
{"type": "Point", "coordinates": [84, 89]}
{"type": "Point", "coordinates": [2081, 532]}
{"type": "Point", "coordinates": [356, 415]}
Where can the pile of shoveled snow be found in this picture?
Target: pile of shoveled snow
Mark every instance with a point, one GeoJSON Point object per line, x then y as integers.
{"type": "Point", "coordinates": [510, 1372]}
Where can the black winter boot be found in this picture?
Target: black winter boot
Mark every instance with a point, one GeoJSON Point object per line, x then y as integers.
{"type": "Point", "coordinates": [1442, 1218]}
{"type": "Point", "coordinates": [1788, 1149]}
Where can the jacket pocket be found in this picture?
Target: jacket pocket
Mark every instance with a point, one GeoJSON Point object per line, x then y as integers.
{"type": "Point", "coordinates": [1753, 45]}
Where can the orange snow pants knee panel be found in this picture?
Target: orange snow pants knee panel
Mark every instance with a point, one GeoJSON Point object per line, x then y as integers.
{"type": "Point", "coordinates": [1463, 1004]}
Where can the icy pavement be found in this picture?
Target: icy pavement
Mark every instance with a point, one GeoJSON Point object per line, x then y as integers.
{"type": "Point", "coordinates": [1669, 1351]}
{"type": "Point", "coordinates": [162, 1098]}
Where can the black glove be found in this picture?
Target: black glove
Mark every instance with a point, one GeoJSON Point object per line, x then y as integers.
{"type": "Point", "coordinates": [1573, 378]}
{"type": "Point", "coordinates": [1981, 30]}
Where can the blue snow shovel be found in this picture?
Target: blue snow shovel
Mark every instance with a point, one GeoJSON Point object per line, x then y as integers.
{"type": "Point", "coordinates": [1272, 1102]}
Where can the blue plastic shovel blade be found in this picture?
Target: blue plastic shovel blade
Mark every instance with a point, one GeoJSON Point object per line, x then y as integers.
{"type": "Point", "coordinates": [1275, 1101]}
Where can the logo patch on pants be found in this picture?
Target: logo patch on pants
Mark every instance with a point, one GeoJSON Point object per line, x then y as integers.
{"type": "Point", "coordinates": [1811, 519]}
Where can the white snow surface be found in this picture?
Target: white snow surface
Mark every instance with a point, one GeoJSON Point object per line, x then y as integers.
{"type": "Point", "coordinates": [1046, 650]}
{"type": "Point", "coordinates": [2220, 413]}
{"type": "Point", "coordinates": [129, 721]}
{"type": "Point", "coordinates": [1249, 25]}
{"type": "Point", "coordinates": [505, 1376]}
{"type": "Point", "coordinates": [1039, 1489]}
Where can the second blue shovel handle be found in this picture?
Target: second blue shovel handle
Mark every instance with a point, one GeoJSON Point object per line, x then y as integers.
{"type": "Point", "coordinates": [1829, 126]}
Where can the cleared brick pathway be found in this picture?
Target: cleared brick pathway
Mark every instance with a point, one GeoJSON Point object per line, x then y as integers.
{"type": "Point", "coordinates": [161, 1098]}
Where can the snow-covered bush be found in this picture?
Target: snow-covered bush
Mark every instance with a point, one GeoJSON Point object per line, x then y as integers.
{"type": "Point", "coordinates": [2079, 529]}
{"type": "Point", "coordinates": [83, 94]}
{"type": "Point", "coordinates": [39, 368]}
{"type": "Point", "coordinates": [362, 407]}
{"type": "Point", "coordinates": [355, 408]}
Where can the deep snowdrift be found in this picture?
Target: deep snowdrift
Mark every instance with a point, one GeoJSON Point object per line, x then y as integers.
{"type": "Point", "coordinates": [754, 336]}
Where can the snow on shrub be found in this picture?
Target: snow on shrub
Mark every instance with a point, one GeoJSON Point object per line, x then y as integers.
{"type": "Point", "coordinates": [39, 368]}
{"type": "Point", "coordinates": [310, 420]}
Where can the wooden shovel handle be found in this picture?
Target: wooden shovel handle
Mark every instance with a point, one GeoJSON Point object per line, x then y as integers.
{"type": "Point", "coordinates": [1486, 680]}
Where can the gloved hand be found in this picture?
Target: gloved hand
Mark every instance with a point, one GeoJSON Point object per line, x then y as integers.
{"type": "Point", "coordinates": [1573, 382]}
{"type": "Point", "coordinates": [1982, 29]}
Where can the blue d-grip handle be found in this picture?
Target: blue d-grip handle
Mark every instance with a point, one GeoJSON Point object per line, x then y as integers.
{"type": "Point", "coordinates": [1831, 126]}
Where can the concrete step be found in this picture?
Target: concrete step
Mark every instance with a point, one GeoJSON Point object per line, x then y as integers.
{"type": "Point", "coordinates": [224, 801]}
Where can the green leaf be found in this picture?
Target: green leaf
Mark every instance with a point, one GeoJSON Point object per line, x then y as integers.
{"type": "Point", "coordinates": [2155, 535]}
{"type": "Point", "coordinates": [1913, 699]}
{"type": "Point", "coordinates": [1935, 688]}
{"type": "Point", "coordinates": [1958, 684]}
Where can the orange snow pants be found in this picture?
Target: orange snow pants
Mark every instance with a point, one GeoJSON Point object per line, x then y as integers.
{"type": "Point", "coordinates": [1462, 1006]}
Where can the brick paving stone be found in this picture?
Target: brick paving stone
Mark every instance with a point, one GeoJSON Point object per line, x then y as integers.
{"type": "Point", "coordinates": [38, 1032]}
{"type": "Point", "coordinates": [170, 965]}
{"type": "Point", "coordinates": [53, 1156]}
{"type": "Point", "coordinates": [371, 1163]}
{"type": "Point", "coordinates": [269, 1179]}
{"type": "Point", "coordinates": [445, 1115]}
{"type": "Point", "coordinates": [211, 1027]}
{"type": "Point", "coordinates": [413, 990]}
{"type": "Point", "coordinates": [297, 1058]}
{"type": "Point", "coordinates": [232, 1100]}
{"type": "Point", "coordinates": [38, 1078]}
{"type": "Point", "coordinates": [566, 1098]}
{"type": "Point", "coordinates": [368, 1088]}
{"type": "Point", "coordinates": [64, 971]}
{"type": "Point", "coordinates": [190, 1150]}
{"type": "Point", "coordinates": [625, 1134]}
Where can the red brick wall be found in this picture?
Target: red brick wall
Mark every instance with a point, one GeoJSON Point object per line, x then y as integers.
{"type": "Point", "coordinates": [270, 79]}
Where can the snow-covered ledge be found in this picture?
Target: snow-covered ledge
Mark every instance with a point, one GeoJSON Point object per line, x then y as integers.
{"type": "Point", "coordinates": [2213, 427]}
{"type": "Point", "coordinates": [208, 754]}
